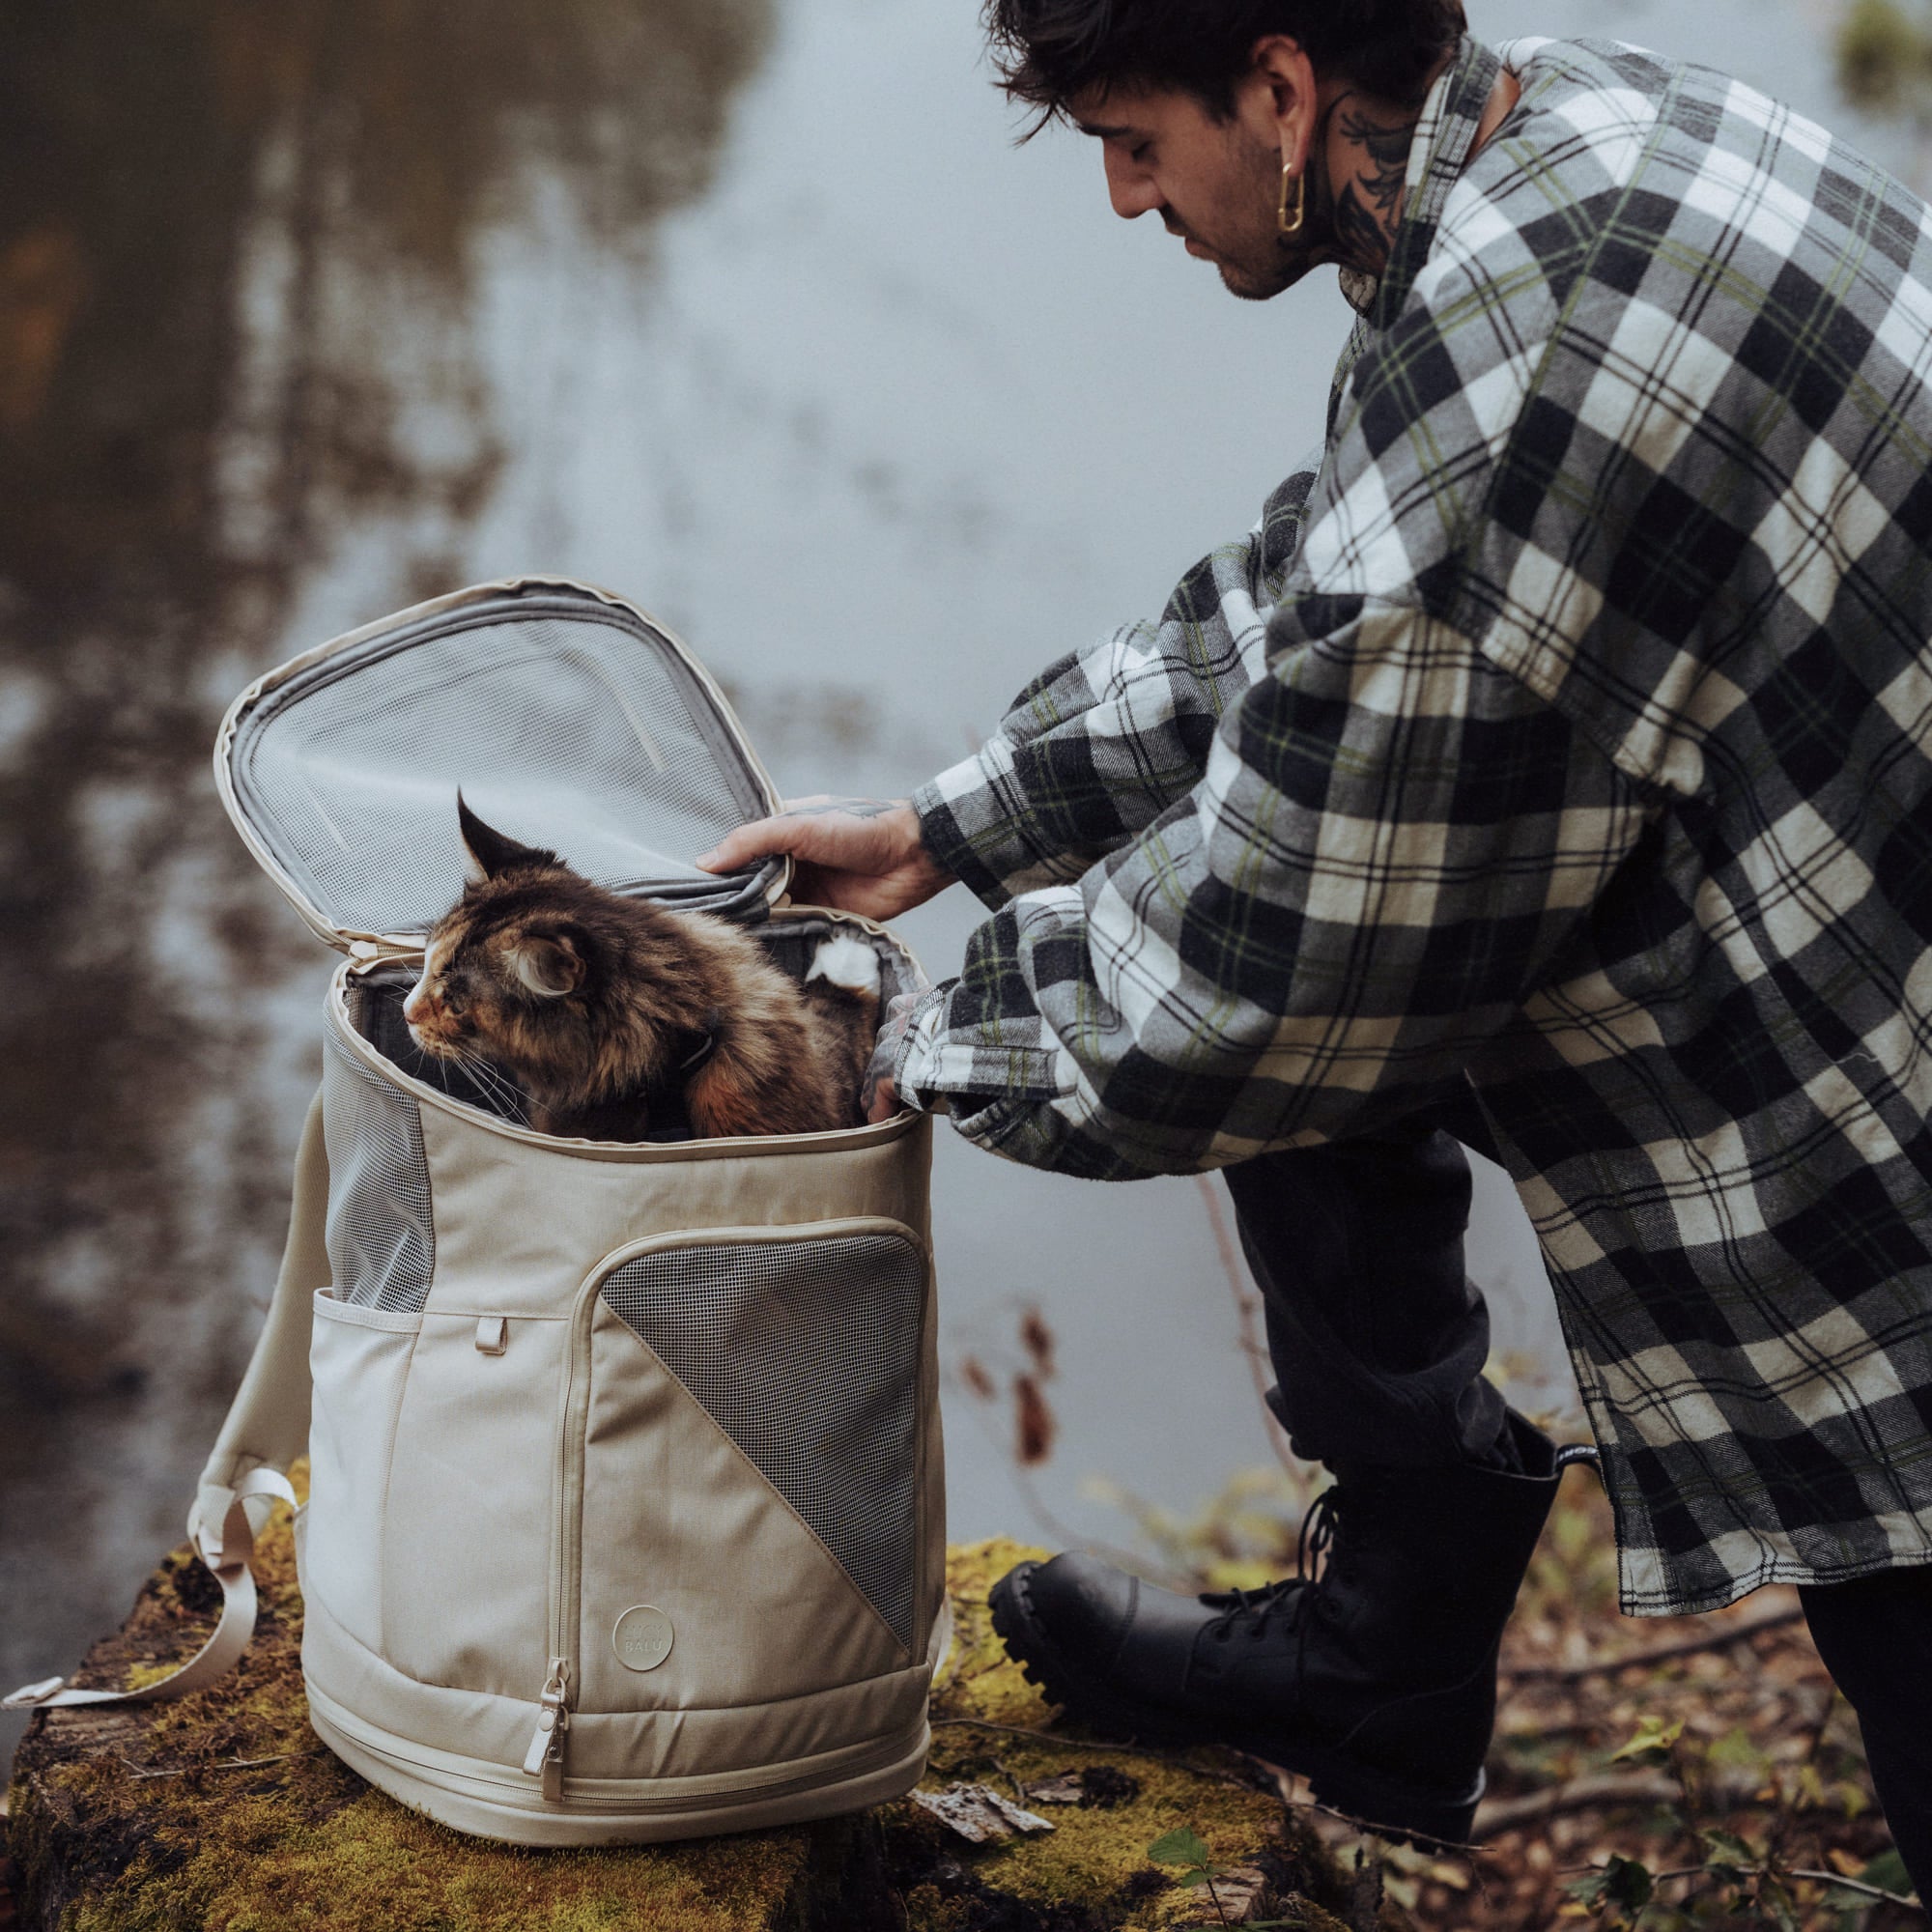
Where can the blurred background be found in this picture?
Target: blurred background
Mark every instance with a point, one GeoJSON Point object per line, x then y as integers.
{"type": "Point", "coordinates": [749, 309]}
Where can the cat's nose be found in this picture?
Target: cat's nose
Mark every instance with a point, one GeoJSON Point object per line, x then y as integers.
{"type": "Point", "coordinates": [414, 1007]}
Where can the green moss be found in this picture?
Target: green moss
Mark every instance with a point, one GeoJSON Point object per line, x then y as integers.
{"type": "Point", "coordinates": [224, 1811]}
{"type": "Point", "coordinates": [1096, 1857]}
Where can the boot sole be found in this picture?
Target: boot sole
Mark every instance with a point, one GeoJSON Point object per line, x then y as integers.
{"type": "Point", "coordinates": [1422, 1815]}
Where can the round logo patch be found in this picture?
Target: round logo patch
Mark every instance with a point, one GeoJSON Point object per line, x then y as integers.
{"type": "Point", "coordinates": [642, 1637]}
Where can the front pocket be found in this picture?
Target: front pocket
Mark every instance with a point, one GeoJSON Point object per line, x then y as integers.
{"type": "Point", "coordinates": [803, 1345]}
{"type": "Point", "coordinates": [750, 1475]}
{"type": "Point", "coordinates": [466, 1525]}
{"type": "Point", "coordinates": [359, 1359]}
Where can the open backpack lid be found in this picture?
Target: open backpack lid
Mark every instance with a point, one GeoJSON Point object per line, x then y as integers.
{"type": "Point", "coordinates": [569, 718]}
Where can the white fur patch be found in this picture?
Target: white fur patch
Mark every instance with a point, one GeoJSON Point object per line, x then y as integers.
{"type": "Point", "coordinates": [848, 963]}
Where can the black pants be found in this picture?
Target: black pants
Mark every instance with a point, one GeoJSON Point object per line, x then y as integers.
{"type": "Point", "coordinates": [1377, 1337]}
{"type": "Point", "coordinates": [1875, 1637]}
{"type": "Point", "coordinates": [1378, 1341]}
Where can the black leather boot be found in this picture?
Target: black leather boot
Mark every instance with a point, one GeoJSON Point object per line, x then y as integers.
{"type": "Point", "coordinates": [1376, 1680]}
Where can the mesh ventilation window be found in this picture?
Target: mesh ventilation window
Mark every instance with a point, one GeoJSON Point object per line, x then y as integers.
{"type": "Point", "coordinates": [567, 724]}
{"type": "Point", "coordinates": [380, 1231]}
{"type": "Point", "coordinates": [806, 1353]}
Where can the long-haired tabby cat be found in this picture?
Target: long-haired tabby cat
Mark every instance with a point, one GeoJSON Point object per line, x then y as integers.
{"type": "Point", "coordinates": [612, 1014]}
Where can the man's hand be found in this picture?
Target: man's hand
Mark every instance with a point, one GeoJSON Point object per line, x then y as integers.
{"type": "Point", "coordinates": [860, 855]}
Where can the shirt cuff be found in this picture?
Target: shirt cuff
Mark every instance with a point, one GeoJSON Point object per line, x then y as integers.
{"type": "Point", "coordinates": [917, 1055]}
{"type": "Point", "coordinates": [975, 821]}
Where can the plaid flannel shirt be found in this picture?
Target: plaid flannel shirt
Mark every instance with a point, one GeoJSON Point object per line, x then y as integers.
{"type": "Point", "coordinates": [1567, 734]}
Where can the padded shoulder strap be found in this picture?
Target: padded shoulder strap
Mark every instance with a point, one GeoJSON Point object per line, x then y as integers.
{"type": "Point", "coordinates": [267, 1428]}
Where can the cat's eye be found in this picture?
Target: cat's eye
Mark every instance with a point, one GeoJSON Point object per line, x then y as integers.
{"type": "Point", "coordinates": [451, 997]}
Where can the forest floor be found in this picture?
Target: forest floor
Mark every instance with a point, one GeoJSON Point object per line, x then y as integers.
{"type": "Point", "coordinates": [1650, 1774]}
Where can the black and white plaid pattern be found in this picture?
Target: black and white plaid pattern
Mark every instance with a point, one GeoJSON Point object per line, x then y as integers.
{"type": "Point", "coordinates": [1568, 732]}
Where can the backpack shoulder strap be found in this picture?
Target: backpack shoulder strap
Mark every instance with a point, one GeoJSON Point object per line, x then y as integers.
{"type": "Point", "coordinates": [265, 1431]}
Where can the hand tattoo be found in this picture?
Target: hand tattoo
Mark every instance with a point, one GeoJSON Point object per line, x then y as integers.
{"type": "Point", "coordinates": [852, 808]}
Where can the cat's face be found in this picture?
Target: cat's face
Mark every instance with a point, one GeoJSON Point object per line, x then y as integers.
{"type": "Point", "coordinates": [491, 984]}
{"type": "Point", "coordinates": [502, 966]}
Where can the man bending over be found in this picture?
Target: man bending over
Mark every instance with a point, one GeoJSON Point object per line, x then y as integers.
{"type": "Point", "coordinates": [1551, 762]}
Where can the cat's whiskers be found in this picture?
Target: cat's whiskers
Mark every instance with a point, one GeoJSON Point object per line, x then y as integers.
{"type": "Point", "coordinates": [493, 1081]}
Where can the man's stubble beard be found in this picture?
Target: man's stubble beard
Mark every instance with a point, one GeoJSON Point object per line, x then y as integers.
{"type": "Point", "coordinates": [1291, 261]}
{"type": "Point", "coordinates": [1287, 258]}
{"type": "Point", "coordinates": [1264, 290]}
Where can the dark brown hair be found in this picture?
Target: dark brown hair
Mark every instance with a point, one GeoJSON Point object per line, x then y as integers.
{"type": "Point", "coordinates": [1048, 51]}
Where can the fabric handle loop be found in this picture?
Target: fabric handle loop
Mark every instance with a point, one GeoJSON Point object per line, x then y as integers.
{"type": "Point", "coordinates": [265, 1431]}
{"type": "Point", "coordinates": [228, 1553]}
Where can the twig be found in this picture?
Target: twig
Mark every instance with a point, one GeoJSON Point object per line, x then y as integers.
{"type": "Point", "coordinates": [225, 1764]}
{"type": "Point", "coordinates": [1787, 1812]}
{"type": "Point", "coordinates": [1859, 1885]}
{"type": "Point", "coordinates": [1167, 1578]}
{"type": "Point", "coordinates": [1215, 1897]}
{"type": "Point", "coordinates": [1662, 1653]}
{"type": "Point", "coordinates": [1609, 1790]}
{"type": "Point", "coordinates": [1244, 1310]}
{"type": "Point", "coordinates": [1005, 1769]}
{"type": "Point", "coordinates": [1064, 1533]}
{"type": "Point", "coordinates": [1369, 1827]}
{"type": "Point", "coordinates": [1601, 1790]}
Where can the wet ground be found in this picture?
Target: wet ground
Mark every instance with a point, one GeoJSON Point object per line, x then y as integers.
{"type": "Point", "coordinates": [745, 307]}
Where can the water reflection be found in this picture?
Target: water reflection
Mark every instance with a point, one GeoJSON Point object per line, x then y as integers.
{"type": "Point", "coordinates": [236, 253]}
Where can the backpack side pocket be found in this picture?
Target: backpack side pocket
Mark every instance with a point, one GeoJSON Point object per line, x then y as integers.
{"type": "Point", "coordinates": [358, 1360]}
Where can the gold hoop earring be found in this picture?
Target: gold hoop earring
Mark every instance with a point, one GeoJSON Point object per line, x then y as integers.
{"type": "Point", "coordinates": [1287, 221]}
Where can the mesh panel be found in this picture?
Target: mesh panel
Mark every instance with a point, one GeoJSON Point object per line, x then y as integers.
{"type": "Point", "coordinates": [381, 1235]}
{"type": "Point", "coordinates": [566, 724]}
{"type": "Point", "coordinates": [806, 1353]}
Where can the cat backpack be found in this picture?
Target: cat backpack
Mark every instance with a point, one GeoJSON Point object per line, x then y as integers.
{"type": "Point", "coordinates": [625, 1517]}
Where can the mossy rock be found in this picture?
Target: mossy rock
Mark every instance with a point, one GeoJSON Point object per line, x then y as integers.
{"type": "Point", "coordinates": [224, 1812]}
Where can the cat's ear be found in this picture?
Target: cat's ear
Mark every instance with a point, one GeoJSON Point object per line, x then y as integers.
{"type": "Point", "coordinates": [548, 963]}
{"type": "Point", "coordinates": [488, 854]}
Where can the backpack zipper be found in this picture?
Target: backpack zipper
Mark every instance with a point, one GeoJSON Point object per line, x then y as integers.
{"type": "Point", "coordinates": [494, 1783]}
{"type": "Point", "coordinates": [545, 1758]}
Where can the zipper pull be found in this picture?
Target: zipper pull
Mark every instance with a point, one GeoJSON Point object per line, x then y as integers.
{"type": "Point", "coordinates": [545, 1757]}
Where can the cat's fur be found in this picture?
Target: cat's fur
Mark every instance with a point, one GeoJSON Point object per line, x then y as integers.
{"type": "Point", "coordinates": [593, 1002]}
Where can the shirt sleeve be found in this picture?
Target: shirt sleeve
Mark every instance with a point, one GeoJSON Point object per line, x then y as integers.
{"type": "Point", "coordinates": [1105, 740]}
{"type": "Point", "coordinates": [1393, 844]}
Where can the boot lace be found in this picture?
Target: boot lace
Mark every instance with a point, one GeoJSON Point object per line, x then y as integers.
{"type": "Point", "coordinates": [1296, 1596]}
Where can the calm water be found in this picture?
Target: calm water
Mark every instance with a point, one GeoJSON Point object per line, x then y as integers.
{"type": "Point", "coordinates": [745, 307]}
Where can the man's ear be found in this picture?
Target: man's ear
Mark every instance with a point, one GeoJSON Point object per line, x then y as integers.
{"type": "Point", "coordinates": [548, 965]}
{"type": "Point", "coordinates": [1280, 87]}
{"type": "Point", "coordinates": [488, 854]}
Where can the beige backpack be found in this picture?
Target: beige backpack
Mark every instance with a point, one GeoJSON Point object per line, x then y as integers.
{"type": "Point", "coordinates": [626, 1515]}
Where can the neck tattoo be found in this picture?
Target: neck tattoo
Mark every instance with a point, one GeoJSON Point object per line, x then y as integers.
{"type": "Point", "coordinates": [1368, 177]}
